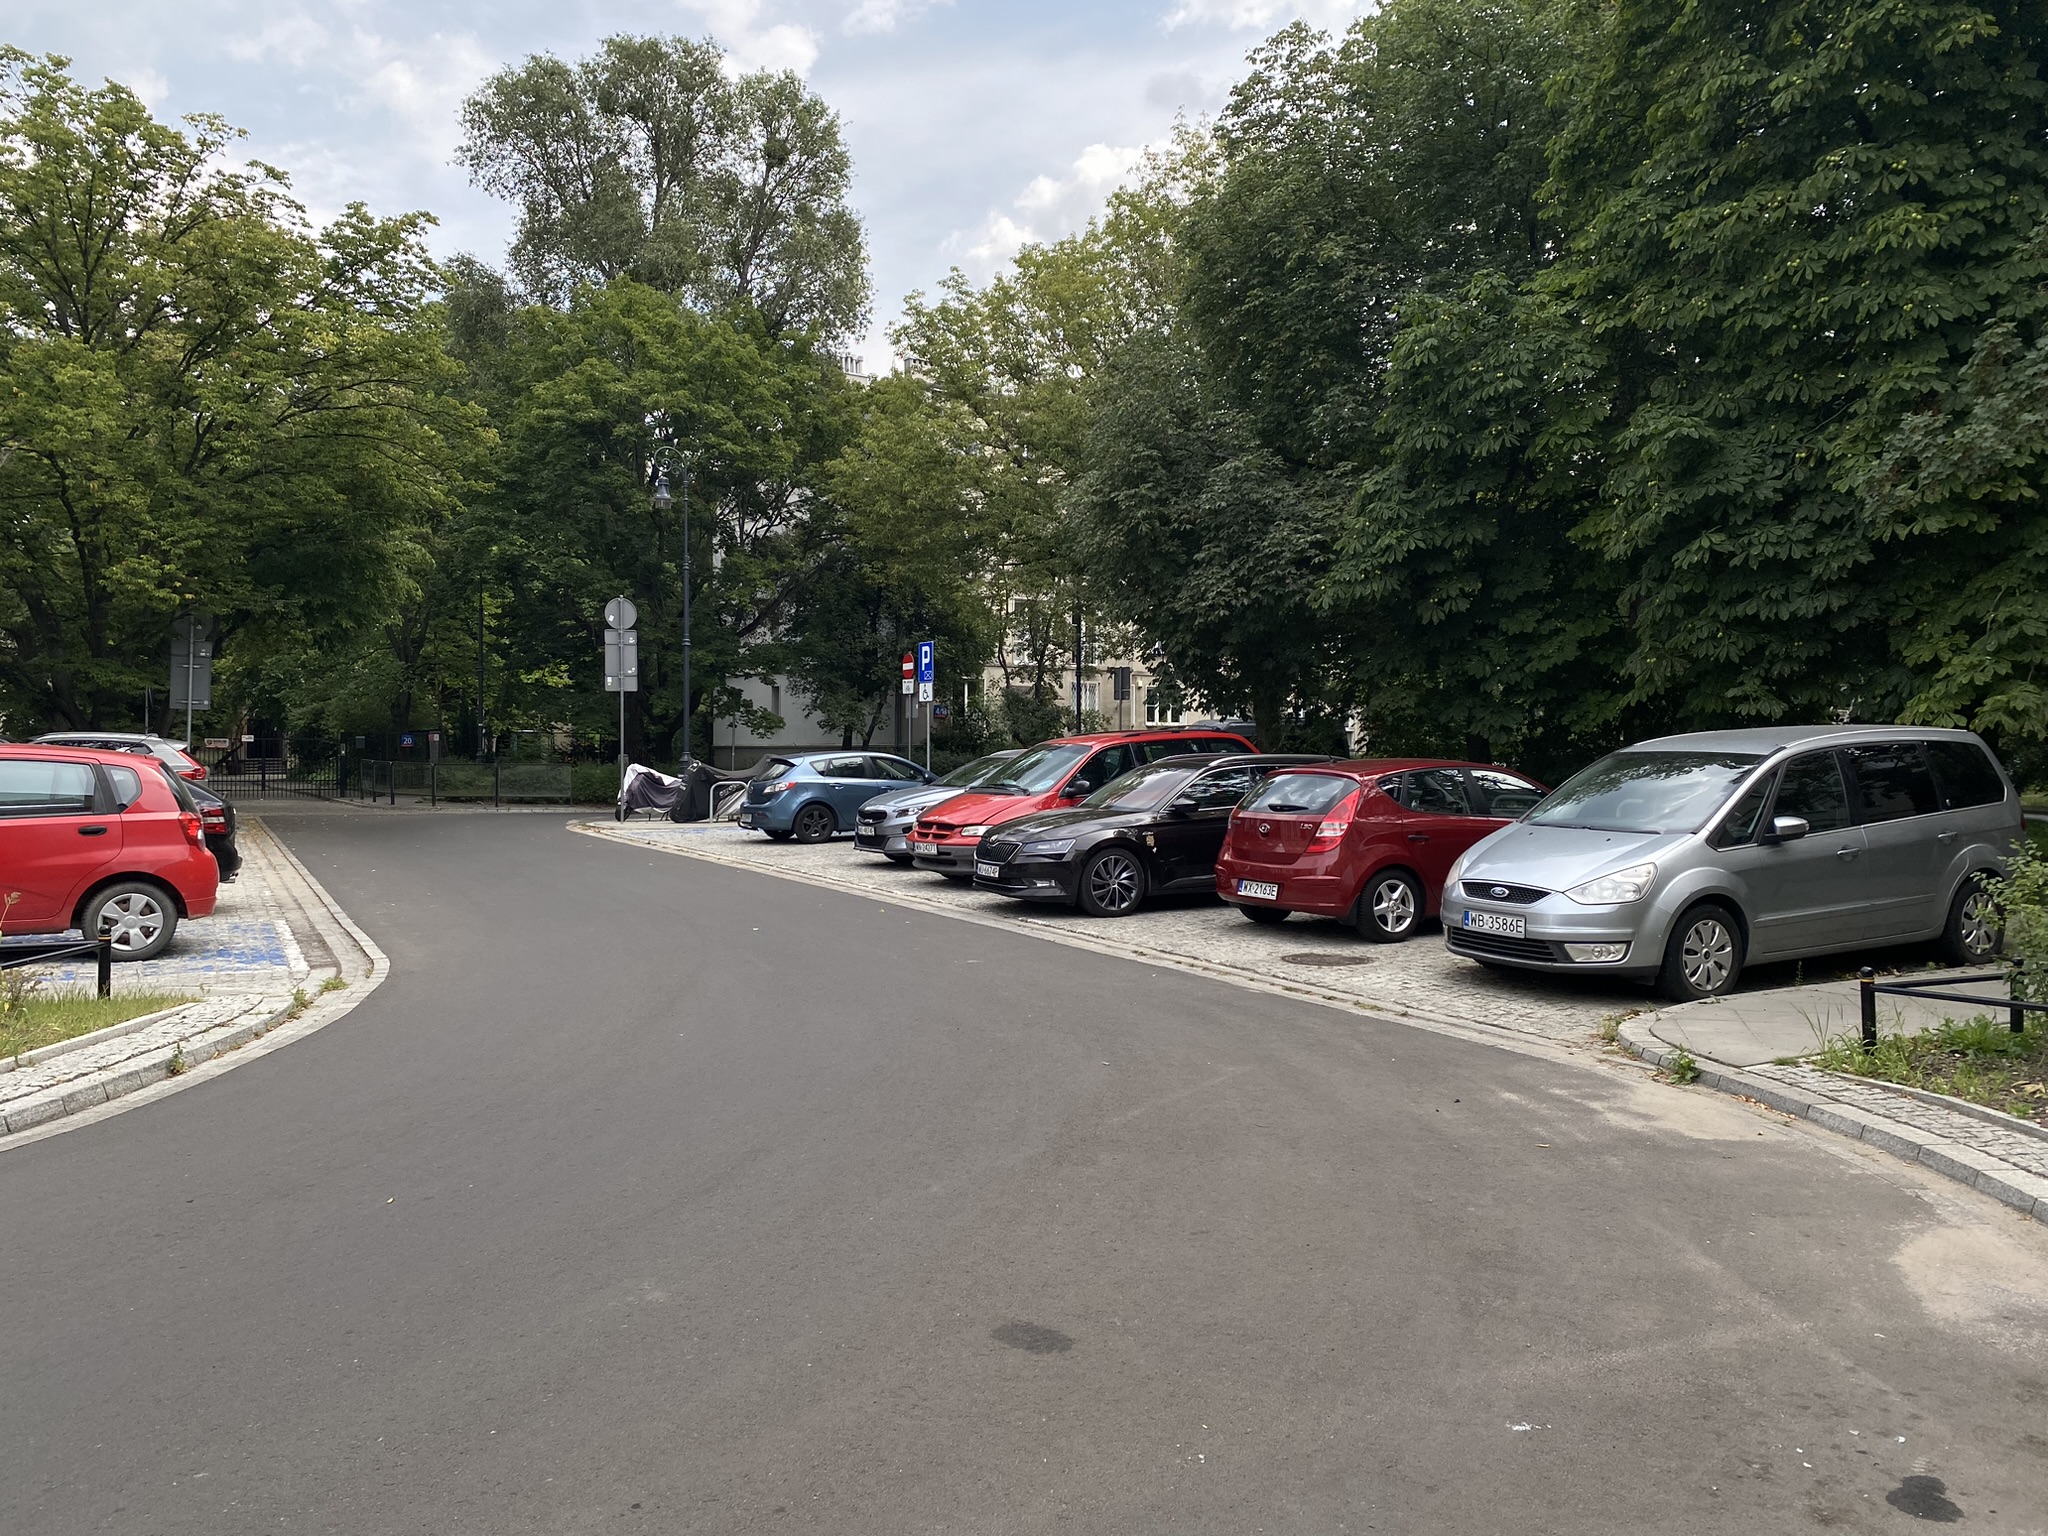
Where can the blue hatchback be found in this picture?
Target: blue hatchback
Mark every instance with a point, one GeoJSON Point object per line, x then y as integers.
{"type": "Point", "coordinates": [811, 795]}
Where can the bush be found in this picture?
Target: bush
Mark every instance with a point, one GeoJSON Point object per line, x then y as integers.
{"type": "Point", "coordinates": [2023, 894]}
{"type": "Point", "coordinates": [594, 783]}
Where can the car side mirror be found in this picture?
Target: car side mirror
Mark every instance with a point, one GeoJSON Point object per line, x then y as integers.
{"type": "Point", "coordinates": [1788, 829]}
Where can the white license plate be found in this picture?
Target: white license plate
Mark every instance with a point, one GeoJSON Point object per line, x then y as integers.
{"type": "Point", "coordinates": [1265, 890]}
{"type": "Point", "coordinates": [988, 871]}
{"type": "Point", "coordinates": [1497, 922]}
{"type": "Point", "coordinates": [920, 850]}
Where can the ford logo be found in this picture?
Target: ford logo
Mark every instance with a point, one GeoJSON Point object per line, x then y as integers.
{"type": "Point", "coordinates": [1498, 893]}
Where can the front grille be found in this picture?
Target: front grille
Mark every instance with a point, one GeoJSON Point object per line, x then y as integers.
{"type": "Point", "coordinates": [1517, 895]}
{"type": "Point", "coordinates": [1466, 941]}
{"type": "Point", "coordinates": [873, 817]}
{"type": "Point", "coordinates": [993, 852]}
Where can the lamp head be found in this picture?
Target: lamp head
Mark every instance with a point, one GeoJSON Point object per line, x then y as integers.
{"type": "Point", "coordinates": [662, 500]}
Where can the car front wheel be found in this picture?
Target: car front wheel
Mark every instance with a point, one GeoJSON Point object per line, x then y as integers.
{"type": "Point", "coordinates": [138, 916]}
{"type": "Point", "coordinates": [1391, 908]}
{"type": "Point", "coordinates": [1112, 884]}
{"type": "Point", "coordinates": [1703, 957]}
{"type": "Point", "coordinates": [1975, 927]}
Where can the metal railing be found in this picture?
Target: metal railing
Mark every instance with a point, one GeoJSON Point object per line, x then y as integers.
{"type": "Point", "coordinates": [1869, 988]}
{"type": "Point", "coordinates": [497, 782]}
{"type": "Point", "coordinates": [17, 955]}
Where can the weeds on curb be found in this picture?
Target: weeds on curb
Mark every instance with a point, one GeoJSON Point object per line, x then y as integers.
{"type": "Point", "coordinates": [178, 1066]}
{"type": "Point", "coordinates": [1681, 1068]}
{"type": "Point", "coordinates": [1980, 1060]}
{"type": "Point", "coordinates": [332, 984]}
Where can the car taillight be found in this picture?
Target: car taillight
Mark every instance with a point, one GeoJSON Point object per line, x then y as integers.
{"type": "Point", "coordinates": [195, 829]}
{"type": "Point", "coordinates": [216, 820]}
{"type": "Point", "coordinates": [1335, 825]}
{"type": "Point", "coordinates": [776, 789]}
{"type": "Point", "coordinates": [196, 772]}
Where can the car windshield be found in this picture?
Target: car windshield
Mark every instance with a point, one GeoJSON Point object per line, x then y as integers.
{"type": "Point", "coordinates": [1143, 789]}
{"type": "Point", "coordinates": [1647, 792]}
{"type": "Point", "coordinates": [1038, 770]}
{"type": "Point", "coordinates": [1300, 794]}
{"type": "Point", "coordinates": [981, 771]}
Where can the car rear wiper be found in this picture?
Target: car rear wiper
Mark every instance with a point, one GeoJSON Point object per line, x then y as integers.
{"type": "Point", "coordinates": [1286, 809]}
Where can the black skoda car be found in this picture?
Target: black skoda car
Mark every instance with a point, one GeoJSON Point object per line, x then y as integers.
{"type": "Point", "coordinates": [1158, 828]}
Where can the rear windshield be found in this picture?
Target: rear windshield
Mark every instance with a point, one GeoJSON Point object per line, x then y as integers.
{"type": "Point", "coordinates": [1300, 794]}
{"type": "Point", "coordinates": [976, 772]}
{"type": "Point", "coordinates": [1647, 792]}
{"type": "Point", "coordinates": [1144, 789]}
{"type": "Point", "coordinates": [773, 767]}
{"type": "Point", "coordinates": [180, 790]}
{"type": "Point", "coordinates": [1039, 769]}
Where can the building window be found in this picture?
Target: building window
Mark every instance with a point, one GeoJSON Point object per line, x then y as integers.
{"type": "Point", "coordinates": [1088, 696]}
{"type": "Point", "coordinates": [1159, 712]}
{"type": "Point", "coordinates": [775, 698]}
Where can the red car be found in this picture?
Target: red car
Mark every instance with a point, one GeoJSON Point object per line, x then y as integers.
{"type": "Point", "coordinates": [1368, 842]}
{"type": "Point", "coordinates": [100, 841]}
{"type": "Point", "coordinates": [1063, 771]}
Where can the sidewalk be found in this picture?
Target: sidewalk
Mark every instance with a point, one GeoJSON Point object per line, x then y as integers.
{"type": "Point", "coordinates": [1751, 1044]}
{"type": "Point", "coordinates": [273, 943]}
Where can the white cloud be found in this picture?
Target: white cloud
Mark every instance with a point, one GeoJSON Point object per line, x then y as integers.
{"type": "Point", "coordinates": [423, 84]}
{"type": "Point", "coordinates": [147, 83]}
{"type": "Point", "coordinates": [1265, 15]}
{"type": "Point", "coordinates": [883, 15]}
{"type": "Point", "coordinates": [749, 45]}
{"type": "Point", "coordinates": [1047, 208]}
{"type": "Point", "coordinates": [294, 39]}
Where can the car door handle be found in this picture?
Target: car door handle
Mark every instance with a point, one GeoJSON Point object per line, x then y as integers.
{"type": "Point", "coordinates": [1418, 837]}
{"type": "Point", "coordinates": [92, 831]}
{"type": "Point", "coordinates": [1945, 837]}
{"type": "Point", "coordinates": [1847, 853]}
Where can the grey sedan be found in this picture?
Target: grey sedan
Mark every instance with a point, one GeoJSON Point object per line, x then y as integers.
{"type": "Point", "coordinates": [886, 820]}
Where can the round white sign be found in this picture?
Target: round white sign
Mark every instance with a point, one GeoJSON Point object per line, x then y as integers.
{"type": "Point", "coordinates": [620, 613]}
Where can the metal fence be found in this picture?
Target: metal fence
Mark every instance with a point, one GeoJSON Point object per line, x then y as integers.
{"type": "Point", "coordinates": [2017, 1008]}
{"type": "Point", "coordinates": [239, 777]}
{"type": "Point", "coordinates": [496, 783]}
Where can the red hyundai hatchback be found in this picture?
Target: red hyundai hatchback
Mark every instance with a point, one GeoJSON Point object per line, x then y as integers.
{"type": "Point", "coordinates": [1063, 771]}
{"type": "Point", "coordinates": [100, 841]}
{"type": "Point", "coordinates": [1369, 842]}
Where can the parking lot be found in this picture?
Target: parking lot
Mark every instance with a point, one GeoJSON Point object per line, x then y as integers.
{"type": "Point", "coordinates": [1418, 979]}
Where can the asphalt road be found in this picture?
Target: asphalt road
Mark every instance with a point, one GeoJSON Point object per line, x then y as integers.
{"type": "Point", "coordinates": [652, 1196]}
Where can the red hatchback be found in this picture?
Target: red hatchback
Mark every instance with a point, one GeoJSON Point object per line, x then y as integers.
{"type": "Point", "coordinates": [1369, 842]}
{"type": "Point", "coordinates": [100, 841]}
{"type": "Point", "coordinates": [1063, 771]}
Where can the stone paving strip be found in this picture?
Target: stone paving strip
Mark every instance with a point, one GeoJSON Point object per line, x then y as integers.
{"type": "Point", "coordinates": [1421, 980]}
{"type": "Point", "coordinates": [281, 939]}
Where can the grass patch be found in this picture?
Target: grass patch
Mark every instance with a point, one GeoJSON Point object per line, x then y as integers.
{"type": "Point", "coordinates": [40, 1019]}
{"type": "Point", "coordinates": [1982, 1061]}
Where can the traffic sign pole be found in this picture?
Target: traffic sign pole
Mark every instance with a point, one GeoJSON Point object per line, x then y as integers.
{"type": "Point", "coordinates": [927, 671]}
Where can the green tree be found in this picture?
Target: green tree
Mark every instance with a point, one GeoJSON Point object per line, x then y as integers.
{"type": "Point", "coordinates": [649, 161]}
{"type": "Point", "coordinates": [205, 405]}
{"type": "Point", "coordinates": [1800, 231]}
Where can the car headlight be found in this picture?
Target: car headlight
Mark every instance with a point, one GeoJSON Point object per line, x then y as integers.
{"type": "Point", "coordinates": [1050, 850]}
{"type": "Point", "coordinates": [1624, 885]}
{"type": "Point", "coordinates": [976, 831]}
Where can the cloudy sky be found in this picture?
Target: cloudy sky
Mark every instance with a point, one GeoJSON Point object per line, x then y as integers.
{"type": "Point", "coordinates": [974, 124]}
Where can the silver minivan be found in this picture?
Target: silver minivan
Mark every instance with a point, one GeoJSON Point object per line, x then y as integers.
{"type": "Point", "coordinates": [1683, 859]}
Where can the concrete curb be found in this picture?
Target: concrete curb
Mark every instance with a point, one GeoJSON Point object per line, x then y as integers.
{"type": "Point", "coordinates": [260, 1017]}
{"type": "Point", "coordinates": [2024, 1192]}
{"type": "Point", "coordinates": [216, 1047]}
{"type": "Point", "coordinates": [43, 1053]}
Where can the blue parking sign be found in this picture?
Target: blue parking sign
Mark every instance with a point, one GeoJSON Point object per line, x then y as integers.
{"type": "Point", "coordinates": [927, 657]}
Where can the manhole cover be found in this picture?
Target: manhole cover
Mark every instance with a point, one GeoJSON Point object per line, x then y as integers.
{"type": "Point", "coordinates": [1327, 959]}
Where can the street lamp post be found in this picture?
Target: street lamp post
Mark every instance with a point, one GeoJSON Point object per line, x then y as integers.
{"type": "Point", "coordinates": [663, 456]}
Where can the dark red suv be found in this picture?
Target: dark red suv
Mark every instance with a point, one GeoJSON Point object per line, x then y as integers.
{"type": "Point", "coordinates": [1370, 842]}
{"type": "Point", "coordinates": [100, 840]}
{"type": "Point", "coordinates": [1060, 772]}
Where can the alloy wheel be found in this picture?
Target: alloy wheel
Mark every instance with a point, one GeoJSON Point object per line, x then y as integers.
{"type": "Point", "coordinates": [132, 920]}
{"type": "Point", "coordinates": [1707, 956]}
{"type": "Point", "coordinates": [1114, 881]}
{"type": "Point", "coordinates": [1393, 907]}
{"type": "Point", "coordinates": [1978, 927]}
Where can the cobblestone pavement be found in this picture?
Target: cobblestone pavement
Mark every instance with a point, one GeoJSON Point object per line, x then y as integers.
{"type": "Point", "coordinates": [1419, 979]}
